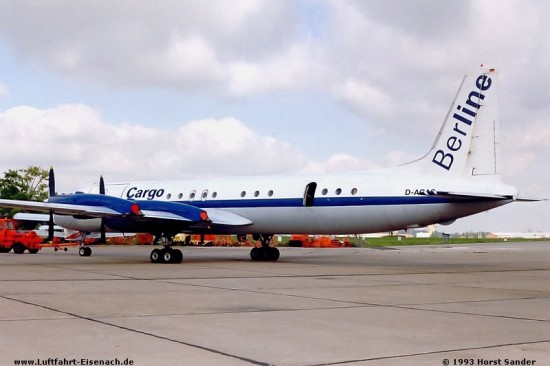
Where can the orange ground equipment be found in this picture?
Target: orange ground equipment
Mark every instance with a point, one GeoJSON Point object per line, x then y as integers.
{"type": "Point", "coordinates": [18, 240]}
{"type": "Point", "coordinates": [307, 241]}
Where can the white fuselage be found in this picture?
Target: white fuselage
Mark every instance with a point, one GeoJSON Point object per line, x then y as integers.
{"type": "Point", "coordinates": [349, 203]}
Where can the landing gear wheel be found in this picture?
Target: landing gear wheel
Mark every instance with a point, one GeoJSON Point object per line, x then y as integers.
{"type": "Point", "coordinates": [256, 254]}
{"type": "Point", "coordinates": [271, 254]}
{"type": "Point", "coordinates": [177, 256]}
{"type": "Point", "coordinates": [155, 256]}
{"type": "Point", "coordinates": [268, 254]}
{"type": "Point", "coordinates": [265, 252]}
{"type": "Point", "coordinates": [33, 251]}
{"type": "Point", "coordinates": [167, 255]}
{"type": "Point", "coordinates": [85, 251]}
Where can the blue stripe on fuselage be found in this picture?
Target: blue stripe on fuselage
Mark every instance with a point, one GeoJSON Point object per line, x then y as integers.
{"type": "Point", "coordinates": [320, 202]}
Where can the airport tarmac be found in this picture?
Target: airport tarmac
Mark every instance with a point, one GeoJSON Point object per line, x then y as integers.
{"type": "Point", "coordinates": [475, 304]}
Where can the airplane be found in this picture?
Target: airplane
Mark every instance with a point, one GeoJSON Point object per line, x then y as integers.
{"type": "Point", "coordinates": [458, 177]}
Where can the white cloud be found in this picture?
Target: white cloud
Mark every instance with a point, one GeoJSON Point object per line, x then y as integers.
{"type": "Point", "coordinates": [81, 145]}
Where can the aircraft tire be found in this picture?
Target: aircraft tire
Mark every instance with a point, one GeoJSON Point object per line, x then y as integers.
{"type": "Point", "coordinates": [155, 256]}
{"type": "Point", "coordinates": [85, 251]}
{"type": "Point", "coordinates": [268, 254]}
{"type": "Point", "coordinates": [177, 256]}
{"type": "Point", "coordinates": [166, 255]}
{"type": "Point", "coordinates": [256, 254]}
{"type": "Point", "coordinates": [272, 254]}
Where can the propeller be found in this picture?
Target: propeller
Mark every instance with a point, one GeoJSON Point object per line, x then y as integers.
{"type": "Point", "coordinates": [51, 193]}
{"type": "Point", "coordinates": [103, 238]}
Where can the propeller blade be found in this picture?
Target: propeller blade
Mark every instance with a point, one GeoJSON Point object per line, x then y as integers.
{"type": "Point", "coordinates": [50, 228]}
{"type": "Point", "coordinates": [51, 183]}
{"type": "Point", "coordinates": [101, 185]}
{"type": "Point", "coordinates": [103, 238]}
{"type": "Point", "coordinates": [51, 193]}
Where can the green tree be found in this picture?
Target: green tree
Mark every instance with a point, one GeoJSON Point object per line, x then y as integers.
{"type": "Point", "coordinates": [30, 184]}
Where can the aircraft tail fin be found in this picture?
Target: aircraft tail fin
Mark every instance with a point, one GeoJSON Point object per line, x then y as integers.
{"type": "Point", "coordinates": [467, 143]}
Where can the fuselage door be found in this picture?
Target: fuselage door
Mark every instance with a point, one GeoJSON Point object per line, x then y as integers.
{"type": "Point", "coordinates": [309, 194]}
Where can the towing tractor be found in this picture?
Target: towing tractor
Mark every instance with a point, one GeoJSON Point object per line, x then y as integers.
{"type": "Point", "coordinates": [18, 240]}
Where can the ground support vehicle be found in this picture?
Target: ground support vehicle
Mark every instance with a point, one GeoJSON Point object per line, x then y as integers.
{"type": "Point", "coordinates": [18, 240]}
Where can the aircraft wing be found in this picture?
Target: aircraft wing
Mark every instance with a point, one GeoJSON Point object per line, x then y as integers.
{"type": "Point", "coordinates": [155, 213]}
{"type": "Point", "coordinates": [61, 208]}
{"type": "Point", "coordinates": [470, 195]}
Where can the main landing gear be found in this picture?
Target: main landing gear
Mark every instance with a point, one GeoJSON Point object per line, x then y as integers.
{"type": "Point", "coordinates": [265, 252]}
{"type": "Point", "coordinates": [166, 254]}
{"type": "Point", "coordinates": [84, 251]}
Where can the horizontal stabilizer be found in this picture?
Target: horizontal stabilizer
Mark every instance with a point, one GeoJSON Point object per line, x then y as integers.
{"type": "Point", "coordinates": [530, 199]}
{"type": "Point", "coordinates": [472, 195]}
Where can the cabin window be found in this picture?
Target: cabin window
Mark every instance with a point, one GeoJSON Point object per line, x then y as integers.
{"type": "Point", "coordinates": [338, 191]}
{"type": "Point", "coordinates": [243, 193]}
{"type": "Point", "coordinates": [180, 196]}
{"type": "Point", "coordinates": [168, 196]}
{"type": "Point", "coordinates": [270, 193]}
{"type": "Point", "coordinates": [354, 191]}
{"type": "Point", "coordinates": [214, 194]}
{"type": "Point", "coordinates": [309, 194]}
{"type": "Point", "coordinates": [324, 191]}
{"type": "Point", "coordinates": [204, 194]}
{"type": "Point", "coordinates": [256, 194]}
{"type": "Point", "coordinates": [192, 194]}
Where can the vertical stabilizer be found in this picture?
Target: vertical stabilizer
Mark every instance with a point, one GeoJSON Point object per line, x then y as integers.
{"type": "Point", "coordinates": [467, 142]}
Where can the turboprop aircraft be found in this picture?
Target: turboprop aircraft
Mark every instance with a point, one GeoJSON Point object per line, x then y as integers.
{"type": "Point", "coordinates": [458, 177]}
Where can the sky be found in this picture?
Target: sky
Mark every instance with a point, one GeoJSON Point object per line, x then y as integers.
{"type": "Point", "coordinates": [135, 89]}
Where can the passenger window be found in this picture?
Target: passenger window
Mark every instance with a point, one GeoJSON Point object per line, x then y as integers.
{"type": "Point", "coordinates": [270, 193]}
{"type": "Point", "coordinates": [256, 194]}
{"type": "Point", "coordinates": [354, 191]}
{"type": "Point", "coordinates": [338, 191]}
{"type": "Point", "coordinates": [192, 194]}
{"type": "Point", "coordinates": [243, 193]}
{"type": "Point", "coordinates": [324, 191]}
